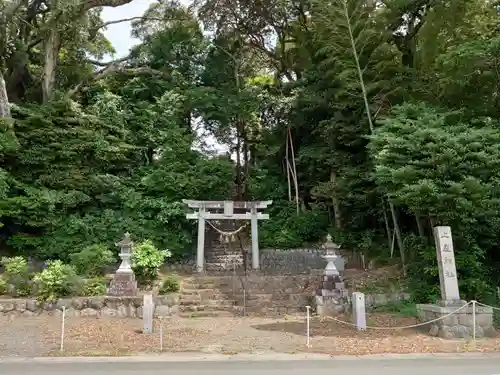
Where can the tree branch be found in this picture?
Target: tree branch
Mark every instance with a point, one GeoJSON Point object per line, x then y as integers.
{"type": "Point", "coordinates": [90, 4]}
{"type": "Point", "coordinates": [115, 67]}
{"type": "Point", "coordinates": [93, 32]}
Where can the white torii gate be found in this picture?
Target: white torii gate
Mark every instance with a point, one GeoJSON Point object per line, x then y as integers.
{"type": "Point", "coordinates": [202, 213]}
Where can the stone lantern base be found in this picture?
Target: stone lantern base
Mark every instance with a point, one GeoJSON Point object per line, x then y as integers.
{"type": "Point", "coordinates": [123, 285]}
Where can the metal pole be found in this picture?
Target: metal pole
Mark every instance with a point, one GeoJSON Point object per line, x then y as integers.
{"type": "Point", "coordinates": [62, 327]}
{"type": "Point", "coordinates": [474, 320]}
{"type": "Point", "coordinates": [308, 327]}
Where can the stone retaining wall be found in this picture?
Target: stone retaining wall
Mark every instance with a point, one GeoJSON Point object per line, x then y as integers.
{"type": "Point", "coordinates": [275, 262]}
{"type": "Point", "coordinates": [452, 324]}
{"type": "Point", "coordinates": [294, 261]}
{"type": "Point", "coordinates": [123, 307]}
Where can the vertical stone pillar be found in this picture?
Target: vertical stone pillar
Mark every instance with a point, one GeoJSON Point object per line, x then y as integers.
{"type": "Point", "coordinates": [200, 252]}
{"type": "Point", "coordinates": [446, 263]}
{"type": "Point", "coordinates": [147, 313]}
{"type": "Point", "coordinates": [255, 239]}
{"type": "Point", "coordinates": [359, 310]}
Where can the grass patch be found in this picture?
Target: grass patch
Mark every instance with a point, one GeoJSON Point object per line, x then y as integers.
{"type": "Point", "coordinates": [402, 308]}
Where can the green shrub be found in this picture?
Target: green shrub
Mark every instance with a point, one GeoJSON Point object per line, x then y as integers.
{"type": "Point", "coordinates": [169, 284]}
{"type": "Point", "coordinates": [94, 287]}
{"type": "Point", "coordinates": [3, 286]}
{"type": "Point", "coordinates": [18, 275]}
{"type": "Point", "coordinates": [291, 230]}
{"type": "Point", "coordinates": [56, 281]}
{"type": "Point", "coordinates": [92, 260]}
{"type": "Point", "coordinates": [147, 260]}
{"type": "Point", "coordinates": [403, 308]}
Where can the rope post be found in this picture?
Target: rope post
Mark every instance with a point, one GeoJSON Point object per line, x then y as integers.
{"type": "Point", "coordinates": [308, 327]}
{"type": "Point", "coordinates": [62, 327]}
{"type": "Point", "coordinates": [244, 302]}
{"type": "Point", "coordinates": [161, 333]}
{"type": "Point", "coordinates": [473, 320]}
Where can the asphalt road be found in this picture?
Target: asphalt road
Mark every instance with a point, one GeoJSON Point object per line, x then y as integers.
{"type": "Point", "coordinates": [421, 366]}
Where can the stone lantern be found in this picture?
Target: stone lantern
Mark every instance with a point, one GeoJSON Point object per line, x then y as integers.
{"type": "Point", "coordinates": [333, 297]}
{"type": "Point", "coordinates": [330, 256]}
{"type": "Point", "coordinates": [124, 283]}
{"type": "Point", "coordinates": [125, 246]}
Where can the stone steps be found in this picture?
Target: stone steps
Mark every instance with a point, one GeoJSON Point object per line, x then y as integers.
{"type": "Point", "coordinates": [204, 296]}
{"type": "Point", "coordinates": [217, 258]}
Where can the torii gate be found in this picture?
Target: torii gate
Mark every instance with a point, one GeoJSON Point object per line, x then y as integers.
{"type": "Point", "coordinates": [203, 213]}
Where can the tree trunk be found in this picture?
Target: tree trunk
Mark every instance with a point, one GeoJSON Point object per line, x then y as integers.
{"type": "Point", "coordinates": [335, 203]}
{"type": "Point", "coordinates": [387, 227]}
{"type": "Point", "coordinates": [4, 99]}
{"type": "Point", "coordinates": [51, 52]}
{"type": "Point", "coordinates": [420, 227]}
{"type": "Point", "coordinates": [399, 236]}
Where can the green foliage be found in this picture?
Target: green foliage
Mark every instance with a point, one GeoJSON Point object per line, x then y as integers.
{"type": "Point", "coordinates": [56, 281]}
{"type": "Point", "coordinates": [403, 308]}
{"type": "Point", "coordinates": [94, 287]}
{"type": "Point", "coordinates": [17, 274]}
{"type": "Point", "coordinates": [127, 149]}
{"type": "Point", "coordinates": [92, 260]}
{"type": "Point", "coordinates": [446, 167]}
{"type": "Point", "coordinates": [3, 286]}
{"type": "Point", "coordinates": [288, 229]}
{"type": "Point", "coordinates": [169, 284]}
{"type": "Point", "coordinates": [147, 260]}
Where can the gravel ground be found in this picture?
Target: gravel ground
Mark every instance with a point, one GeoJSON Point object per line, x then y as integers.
{"type": "Point", "coordinates": [40, 336]}
{"type": "Point", "coordinates": [28, 336]}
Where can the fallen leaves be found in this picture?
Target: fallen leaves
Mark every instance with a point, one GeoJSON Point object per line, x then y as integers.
{"type": "Point", "coordinates": [115, 336]}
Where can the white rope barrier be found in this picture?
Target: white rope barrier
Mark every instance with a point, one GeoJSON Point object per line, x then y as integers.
{"type": "Point", "coordinates": [484, 305]}
{"type": "Point", "coordinates": [403, 327]}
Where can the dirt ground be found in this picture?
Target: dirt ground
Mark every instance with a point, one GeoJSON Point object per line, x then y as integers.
{"type": "Point", "coordinates": [40, 336]}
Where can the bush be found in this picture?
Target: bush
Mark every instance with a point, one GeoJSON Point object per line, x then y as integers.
{"type": "Point", "coordinates": [403, 308]}
{"type": "Point", "coordinates": [92, 260]}
{"type": "Point", "coordinates": [3, 286]}
{"type": "Point", "coordinates": [18, 275]}
{"type": "Point", "coordinates": [147, 260]}
{"type": "Point", "coordinates": [94, 287]}
{"type": "Point", "coordinates": [56, 281]}
{"type": "Point", "coordinates": [170, 284]}
{"type": "Point", "coordinates": [290, 230]}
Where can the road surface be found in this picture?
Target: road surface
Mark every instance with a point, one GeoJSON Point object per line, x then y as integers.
{"type": "Point", "coordinates": [358, 366]}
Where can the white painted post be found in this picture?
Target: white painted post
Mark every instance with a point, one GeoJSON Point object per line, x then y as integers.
{"type": "Point", "coordinates": [161, 333]}
{"type": "Point", "coordinates": [308, 327]}
{"type": "Point", "coordinates": [474, 320]}
{"type": "Point", "coordinates": [63, 321]}
{"type": "Point", "coordinates": [255, 239]}
{"type": "Point", "coordinates": [200, 253]}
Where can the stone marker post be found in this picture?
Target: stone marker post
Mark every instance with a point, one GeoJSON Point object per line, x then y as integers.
{"type": "Point", "coordinates": [445, 321]}
{"type": "Point", "coordinates": [124, 283]}
{"type": "Point", "coordinates": [148, 308]}
{"type": "Point", "coordinates": [450, 293]}
{"type": "Point", "coordinates": [359, 310]}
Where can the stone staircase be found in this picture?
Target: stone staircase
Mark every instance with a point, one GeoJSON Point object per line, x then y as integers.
{"type": "Point", "coordinates": [221, 257]}
{"type": "Point", "coordinates": [202, 296]}
{"type": "Point", "coordinates": [222, 295]}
